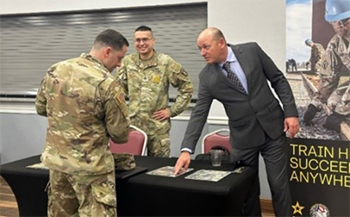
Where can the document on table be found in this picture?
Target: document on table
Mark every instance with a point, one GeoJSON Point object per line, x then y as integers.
{"type": "Point", "coordinates": [208, 175]}
{"type": "Point", "coordinates": [167, 171]}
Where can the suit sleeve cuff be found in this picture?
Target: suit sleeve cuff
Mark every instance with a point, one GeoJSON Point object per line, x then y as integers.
{"type": "Point", "coordinates": [187, 149]}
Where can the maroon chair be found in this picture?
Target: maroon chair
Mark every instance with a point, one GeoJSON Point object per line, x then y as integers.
{"type": "Point", "coordinates": [218, 138]}
{"type": "Point", "coordinates": [136, 144]}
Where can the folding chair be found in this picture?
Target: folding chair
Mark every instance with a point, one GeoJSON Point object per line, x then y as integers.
{"type": "Point", "coordinates": [218, 138]}
{"type": "Point", "coordinates": [136, 144]}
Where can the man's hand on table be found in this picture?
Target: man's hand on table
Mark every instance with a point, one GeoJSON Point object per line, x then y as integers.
{"type": "Point", "coordinates": [183, 161]}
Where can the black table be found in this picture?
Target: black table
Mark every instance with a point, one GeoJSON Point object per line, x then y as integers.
{"type": "Point", "coordinates": [142, 194]}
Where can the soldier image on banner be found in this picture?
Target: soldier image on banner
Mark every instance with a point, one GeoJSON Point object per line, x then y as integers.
{"type": "Point", "coordinates": [292, 65]}
{"type": "Point", "coordinates": [146, 76]}
{"type": "Point", "coordinates": [317, 52]}
{"type": "Point", "coordinates": [335, 69]}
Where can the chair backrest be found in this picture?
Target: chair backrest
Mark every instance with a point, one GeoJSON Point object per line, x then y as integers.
{"type": "Point", "coordinates": [135, 145]}
{"type": "Point", "coordinates": [217, 138]}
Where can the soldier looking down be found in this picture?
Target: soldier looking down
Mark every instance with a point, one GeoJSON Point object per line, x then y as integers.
{"type": "Point", "coordinates": [85, 106]}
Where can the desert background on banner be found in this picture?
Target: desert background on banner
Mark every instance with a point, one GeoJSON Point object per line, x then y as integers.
{"type": "Point", "coordinates": [319, 158]}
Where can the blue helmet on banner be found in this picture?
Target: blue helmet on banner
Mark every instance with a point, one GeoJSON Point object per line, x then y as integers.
{"type": "Point", "coordinates": [337, 10]}
{"type": "Point", "coordinates": [308, 41]}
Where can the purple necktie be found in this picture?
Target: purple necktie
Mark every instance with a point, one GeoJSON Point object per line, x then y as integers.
{"type": "Point", "coordinates": [233, 77]}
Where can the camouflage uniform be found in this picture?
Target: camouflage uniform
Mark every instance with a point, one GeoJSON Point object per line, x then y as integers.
{"type": "Point", "coordinates": [317, 52]}
{"type": "Point", "coordinates": [148, 88]}
{"type": "Point", "coordinates": [335, 72]}
{"type": "Point", "coordinates": [85, 106]}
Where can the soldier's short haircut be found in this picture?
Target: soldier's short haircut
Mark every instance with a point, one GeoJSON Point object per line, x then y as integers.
{"type": "Point", "coordinates": [143, 28]}
{"type": "Point", "coordinates": [112, 38]}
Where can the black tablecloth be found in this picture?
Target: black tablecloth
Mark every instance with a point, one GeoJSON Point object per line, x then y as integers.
{"type": "Point", "coordinates": [142, 194]}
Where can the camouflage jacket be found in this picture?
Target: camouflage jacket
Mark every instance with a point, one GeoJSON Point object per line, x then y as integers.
{"type": "Point", "coordinates": [336, 60]}
{"type": "Point", "coordinates": [148, 89]}
{"type": "Point", "coordinates": [317, 52]}
{"type": "Point", "coordinates": [85, 106]}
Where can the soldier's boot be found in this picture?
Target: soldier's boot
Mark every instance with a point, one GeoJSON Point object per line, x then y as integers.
{"type": "Point", "coordinates": [333, 122]}
{"type": "Point", "coordinates": [310, 113]}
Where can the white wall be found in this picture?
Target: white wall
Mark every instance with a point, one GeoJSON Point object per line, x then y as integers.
{"type": "Point", "coordinates": [241, 21]}
{"type": "Point", "coordinates": [262, 21]}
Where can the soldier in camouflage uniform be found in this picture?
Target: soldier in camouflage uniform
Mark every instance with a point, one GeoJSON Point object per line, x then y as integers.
{"type": "Point", "coordinates": [335, 70]}
{"type": "Point", "coordinates": [85, 106]}
{"type": "Point", "coordinates": [317, 52]}
{"type": "Point", "coordinates": [146, 76]}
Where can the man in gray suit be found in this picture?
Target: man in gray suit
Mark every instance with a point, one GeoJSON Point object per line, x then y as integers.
{"type": "Point", "coordinates": [257, 122]}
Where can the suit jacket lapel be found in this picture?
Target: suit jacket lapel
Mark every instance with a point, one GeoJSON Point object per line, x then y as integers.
{"type": "Point", "coordinates": [243, 61]}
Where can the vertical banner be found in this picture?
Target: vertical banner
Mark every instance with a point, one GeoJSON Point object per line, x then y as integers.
{"type": "Point", "coordinates": [318, 70]}
{"type": "Point", "coordinates": [320, 177]}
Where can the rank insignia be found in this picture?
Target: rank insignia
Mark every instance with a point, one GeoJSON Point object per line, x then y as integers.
{"type": "Point", "coordinates": [155, 79]}
{"type": "Point", "coordinates": [120, 96]}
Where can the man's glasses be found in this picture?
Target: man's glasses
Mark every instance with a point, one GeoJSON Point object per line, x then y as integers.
{"type": "Point", "coordinates": [343, 22]}
{"type": "Point", "coordinates": [144, 40]}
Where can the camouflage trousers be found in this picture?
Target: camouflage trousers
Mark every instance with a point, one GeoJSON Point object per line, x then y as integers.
{"type": "Point", "coordinates": [158, 145]}
{"type": "Point", "coordinates": [84, 196]}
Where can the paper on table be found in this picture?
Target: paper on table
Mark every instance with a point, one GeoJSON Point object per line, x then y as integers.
{"type": "Point", "coordinates": [208, 175]}
{"type": "Point", "coordinates": [167, 171]}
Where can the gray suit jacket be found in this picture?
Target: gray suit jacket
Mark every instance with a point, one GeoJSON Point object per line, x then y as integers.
{"type": "Point", "coordinates": [252, 116]}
